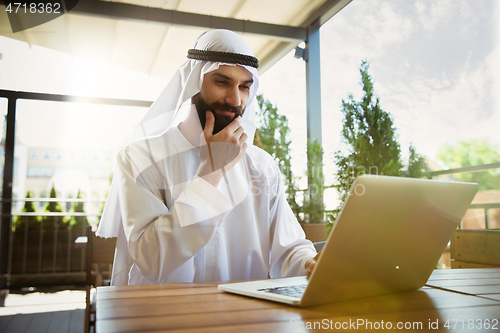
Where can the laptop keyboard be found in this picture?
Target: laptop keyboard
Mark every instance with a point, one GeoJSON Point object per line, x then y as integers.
{"type": "Point", "coordinates": [292, 291]}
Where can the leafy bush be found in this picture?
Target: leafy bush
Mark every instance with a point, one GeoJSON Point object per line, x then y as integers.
{"type": "Point", "coordinates": [20, 222]}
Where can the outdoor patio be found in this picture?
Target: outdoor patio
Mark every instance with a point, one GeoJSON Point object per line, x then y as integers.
{"type": "Point", "coordinates": [43, 265]}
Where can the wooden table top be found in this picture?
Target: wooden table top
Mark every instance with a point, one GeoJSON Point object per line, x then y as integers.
{"type": "Point", "coordinates": [452, 301]}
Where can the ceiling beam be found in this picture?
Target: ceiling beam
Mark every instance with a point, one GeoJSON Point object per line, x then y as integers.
{"type": "Point", "coordinates": [321, 15]}
{"type": "Point", "coordinates": [124, 11]}
{"type": "Point", "coordinates": [325, 12]}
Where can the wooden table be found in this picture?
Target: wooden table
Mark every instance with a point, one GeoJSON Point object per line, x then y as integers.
{"type": "Point", "coordinates": [461, 300]}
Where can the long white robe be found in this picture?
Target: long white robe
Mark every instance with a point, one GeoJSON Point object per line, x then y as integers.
{"type": "Point", "coordinates": [178, 228]}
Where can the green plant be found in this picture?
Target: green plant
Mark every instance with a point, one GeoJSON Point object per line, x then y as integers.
{"type": "Point", "coordinates": [20, 222]}
{"type": "Point", "coordinates": [416, 164]}
{"type": "Point", "coordinates": [78, 222]}
{"type": "Point", "coordinates": [49, 222]}
{"type": "Point", "coordinates": [272, 135]}
{"type": "Point", "coordinates": [313, 207]}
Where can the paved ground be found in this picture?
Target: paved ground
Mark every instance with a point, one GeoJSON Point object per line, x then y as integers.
{"type": "Point", "coordinates": [42, 310]}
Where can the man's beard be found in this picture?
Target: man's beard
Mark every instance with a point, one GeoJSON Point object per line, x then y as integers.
{"type": "Point", "coordinates": [221, 121]}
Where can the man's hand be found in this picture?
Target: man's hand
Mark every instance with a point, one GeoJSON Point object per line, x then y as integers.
{"type": "Point", "coordinates": [220, 152]}
{"type": "Point", "coordinates": [311, 263]}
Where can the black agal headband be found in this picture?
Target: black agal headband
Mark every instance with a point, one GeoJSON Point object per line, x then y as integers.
{"type": "Point", "coordinates": [227, 57]}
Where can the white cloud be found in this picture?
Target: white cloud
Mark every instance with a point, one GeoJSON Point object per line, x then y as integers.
{"type": "Point", "coordinates": [459, 103]}
{"type": "Point", "coordinates": [431, 112]}
{"type": "Point", "coordinates": [434, 13]}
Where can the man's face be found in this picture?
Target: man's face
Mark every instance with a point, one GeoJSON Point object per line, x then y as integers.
{"type": "Point", "coordinates": [225, 92]}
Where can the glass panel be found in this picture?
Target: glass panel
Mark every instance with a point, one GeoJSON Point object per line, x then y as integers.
{"type": "Point", "coordinates": [70, 147]}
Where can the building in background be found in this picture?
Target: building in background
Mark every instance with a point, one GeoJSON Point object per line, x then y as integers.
{"type": "Point", "coordinates": [37, 169]}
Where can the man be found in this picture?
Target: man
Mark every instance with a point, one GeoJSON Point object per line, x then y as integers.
{"type": "Point", "coordinates": [192, 199]}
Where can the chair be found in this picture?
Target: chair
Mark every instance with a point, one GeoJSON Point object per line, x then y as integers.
{"type": "Point", "coordinates": [100, 252]}
{"type": "Point", "coordinates": [475, 248]}
{"type": "Point", "coordinates": [319, 245]}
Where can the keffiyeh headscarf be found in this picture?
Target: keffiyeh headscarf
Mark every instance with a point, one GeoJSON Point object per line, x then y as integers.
{"type": "Point", "coordinates": [212, 49]}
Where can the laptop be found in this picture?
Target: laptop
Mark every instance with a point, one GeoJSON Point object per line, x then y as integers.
{"type": "Point", "coordinates": [388, 238]}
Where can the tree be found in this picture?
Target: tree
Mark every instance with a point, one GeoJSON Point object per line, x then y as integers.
{"type": "Point", "coordinates": [49, 222]}
{"type": "Point", "coordinates": [78, 222]}
{"type": "Point", "coordinates": [472, 152]}
{"type": "Point", "coordinates": [272, 135]}
{"type": "Point", "coordinates": [20, 222]}
{"type": "Point", "coordinates": [416, 164]}
{"type": "Point", "coordinates": [370, 136]}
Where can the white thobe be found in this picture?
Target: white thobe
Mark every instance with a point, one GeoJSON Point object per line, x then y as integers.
{"type": "Point", "coordinates": [176, 227]}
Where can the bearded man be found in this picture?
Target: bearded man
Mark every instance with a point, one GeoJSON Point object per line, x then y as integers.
{"type": "Point", "coordinates": [192, 198]}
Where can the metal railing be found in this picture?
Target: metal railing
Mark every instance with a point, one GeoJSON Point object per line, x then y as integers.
{"type": "Point", "coordinates": [53, 232]}
{"type": "Point", "coordinates": [486, 207]}
{"type": "Point", "coordinates": [6, 203]}
{"type": "Point", "coordinates": [45, 253]}
{"type": "Point", "coordinates": [470, 169]}
{"type": "Point", "coordinates": [467, 169]}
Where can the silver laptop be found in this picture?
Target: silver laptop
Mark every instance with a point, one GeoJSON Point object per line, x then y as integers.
{"type": "Point", "coordinates": [388, 238]}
